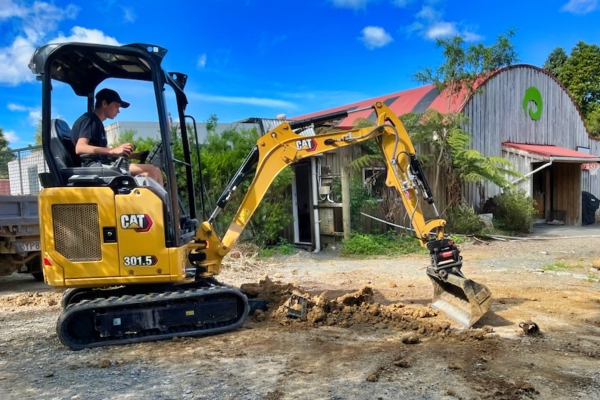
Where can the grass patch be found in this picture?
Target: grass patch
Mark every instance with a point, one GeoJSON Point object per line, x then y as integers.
{"type": "Point", "coordinates": [385, 244]}
{"type": "Point", "coordinates": [557, 266]}
{"type": "Point", "coordinates": [459, 239]}
{"type": "Point", "coordinates": [283, 248]}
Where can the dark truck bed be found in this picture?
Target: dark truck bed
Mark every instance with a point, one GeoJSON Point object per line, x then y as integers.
{"type": "Point", "coordinates": [20, 236]}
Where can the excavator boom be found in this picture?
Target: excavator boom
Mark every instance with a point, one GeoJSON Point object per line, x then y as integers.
{"type": "Point", "coordinates": [460, 298]}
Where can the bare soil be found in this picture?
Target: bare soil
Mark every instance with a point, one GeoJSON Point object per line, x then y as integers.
{"type": "Point", "coordinates": [369, 334]}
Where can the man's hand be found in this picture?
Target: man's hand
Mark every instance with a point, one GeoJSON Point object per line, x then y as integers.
{"type": "Point", "coordinates": [123, 150]}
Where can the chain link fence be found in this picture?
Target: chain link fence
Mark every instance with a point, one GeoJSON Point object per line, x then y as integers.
{"type": "Point", "coordinates": [19, 171]}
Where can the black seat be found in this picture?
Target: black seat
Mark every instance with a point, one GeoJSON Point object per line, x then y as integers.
{"type": "Point", "coordinates": [67, 160]}
{"type": "Point", "coordinates": [62, 147]}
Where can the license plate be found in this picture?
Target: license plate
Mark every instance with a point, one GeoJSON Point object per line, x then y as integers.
{"type": "Point", "coordinates": [27, 246]}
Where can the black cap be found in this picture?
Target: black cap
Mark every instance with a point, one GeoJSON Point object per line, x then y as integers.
{"type": "Point", "coordinates": [110, 95]}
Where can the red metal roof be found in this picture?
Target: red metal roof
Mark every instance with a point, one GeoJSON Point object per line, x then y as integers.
{"type": "Point", "coordinates": [549, 151]}
{"type": "Point", "coordinates": [416, 100]}
{"type": "Point", "coordinates": [399, 102]}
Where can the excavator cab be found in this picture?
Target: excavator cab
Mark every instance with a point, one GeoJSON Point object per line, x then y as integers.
{"type": "Point", "coordinates": [84, 67]}
{"type": "Point", "coordinates": [108, 235]}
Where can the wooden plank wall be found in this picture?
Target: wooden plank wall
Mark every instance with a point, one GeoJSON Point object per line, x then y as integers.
{"type": "Point", "coordinates": [566, 193]}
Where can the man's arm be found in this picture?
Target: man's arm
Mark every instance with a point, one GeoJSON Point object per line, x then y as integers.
{"type": "Point", "coordinates": [83, 147]}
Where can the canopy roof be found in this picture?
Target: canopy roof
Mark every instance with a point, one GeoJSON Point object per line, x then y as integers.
{"type": "Point", "coordinates": [557, 153]}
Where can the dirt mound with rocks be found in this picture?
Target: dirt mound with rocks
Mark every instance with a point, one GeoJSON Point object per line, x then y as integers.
{"type": "Point", "coordinates": [351, 309]}
{"type": "Point", "coordinates": [30, 301]}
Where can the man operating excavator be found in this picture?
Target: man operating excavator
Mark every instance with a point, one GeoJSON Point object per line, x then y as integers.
{"type": "Point", "coordinates": [89, 137]}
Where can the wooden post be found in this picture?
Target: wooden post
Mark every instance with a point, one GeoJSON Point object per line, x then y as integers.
{"type": "Point", "coordinates": [345, 157]}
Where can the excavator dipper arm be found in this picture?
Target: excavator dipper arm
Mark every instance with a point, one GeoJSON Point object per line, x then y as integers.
{"type": "Point", "coordinates": [461, 298]}
{"type": "Point", "coordinates": [282, 147]}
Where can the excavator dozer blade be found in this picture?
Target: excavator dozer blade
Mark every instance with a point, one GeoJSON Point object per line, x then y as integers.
{"type": "Point", "coordinates": [461, 299]}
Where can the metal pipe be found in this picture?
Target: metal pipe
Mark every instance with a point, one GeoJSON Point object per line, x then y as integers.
{"type": "Point", "coordinates": [315, 201]}
{"type": "Point", "coordinates": [534, 171]}
{"type": "Point", "coordinates": [295, 210]}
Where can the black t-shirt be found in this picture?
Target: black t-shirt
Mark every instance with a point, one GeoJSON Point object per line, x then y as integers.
{"type": "Point", "coordinates": [90, 126]}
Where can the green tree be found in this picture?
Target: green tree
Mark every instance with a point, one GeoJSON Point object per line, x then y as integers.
{"type": "Point", "coordinates": [593, 120]}
{"type": "Point", "coordinates": [5, 155]}
{"type": "Point", "coordinates": [141, 144]}
{"type": "Point", "coordinates": [580, 74]}
{"type": "Point", "coordinates": [555, 61]}
{"type": "Point", "coordinates": [178, 159]}
{"type": "Point", "coordinates": [222, 155]}
{"type": "Point", "coordinates": [37, 136]}
{"type": "Point", "coordinates": [463, 66]}
{"type": "Point", "coordinates": [456, 79]}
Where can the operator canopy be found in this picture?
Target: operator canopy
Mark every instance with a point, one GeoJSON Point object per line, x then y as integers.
{"type": "Point", "coordinates": [84, 66]}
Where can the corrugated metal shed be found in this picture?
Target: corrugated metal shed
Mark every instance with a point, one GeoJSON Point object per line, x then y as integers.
{"type": "Point", "coordinates": [501, 113]}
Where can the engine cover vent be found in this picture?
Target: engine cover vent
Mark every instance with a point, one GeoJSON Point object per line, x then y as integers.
{"type": "Point", "coordinates": [77, 231]}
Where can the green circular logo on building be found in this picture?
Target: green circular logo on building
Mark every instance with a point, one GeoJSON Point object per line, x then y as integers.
{"type": "Point", "coordinates": [533, 95]}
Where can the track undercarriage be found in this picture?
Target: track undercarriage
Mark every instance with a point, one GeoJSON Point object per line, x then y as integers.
{"type": "Point", "coordinates": [93, 318]}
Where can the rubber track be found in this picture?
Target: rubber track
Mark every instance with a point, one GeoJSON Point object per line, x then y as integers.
{"type": "Point", "coordinates": [147, 301]}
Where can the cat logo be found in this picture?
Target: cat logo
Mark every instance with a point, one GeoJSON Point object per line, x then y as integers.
{"type": "Point", "coordinates": [138, 222]}
{"type": "Point", "coordinates": [306, 144]}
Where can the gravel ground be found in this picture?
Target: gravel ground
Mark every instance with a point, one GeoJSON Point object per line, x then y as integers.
{"type": "Point", "coordinates": [358, 352]}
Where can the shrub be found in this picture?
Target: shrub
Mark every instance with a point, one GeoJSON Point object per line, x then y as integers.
{"type": "Point", "coordinates": [359, 197]}
{"type": "Point", "coordinates": [222, 155]}
{"type": "Point", "coordinates": [463, 219]}
{"type": "Point", "coordinates": [385, 244]}
{"type": "Point", "coordinates": [283, 248]}
{"type": "Point", "coordinates": [514, 211]}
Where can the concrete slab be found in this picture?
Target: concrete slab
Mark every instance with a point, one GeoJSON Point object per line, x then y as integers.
{"type": "Point", "coordinates": [565, 230]}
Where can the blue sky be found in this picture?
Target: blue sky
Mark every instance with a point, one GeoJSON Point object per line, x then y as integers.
{"type": "Point", "coordinates": [259, 58]}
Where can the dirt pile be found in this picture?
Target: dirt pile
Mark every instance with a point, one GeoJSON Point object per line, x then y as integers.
{"type": "Point", "coordinates": [31, 301]}
{"type": "Point", "coordinates": [351, 309]}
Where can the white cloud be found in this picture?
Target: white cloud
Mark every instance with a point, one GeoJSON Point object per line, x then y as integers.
{"type": "Point", "coordinates": [14, 60]}
{"type": "Point", "coordinates": [79, 34]}
{"type": "Point", "coordinates": [471, 36]}
{"type": "Point", "coordinates": [429, 13]}
{"type": "Point", "coordinates": [8, 9]}
{"type": "Point", "coordinates": [401, 3]}
{"type": "Point", "coordinates": [128, 14]}
{"type": "Point", "coordinates": [253, 101]}
{"type": "Point", "coordinates": [38, 19]}
{"type": "Point", "coordinates": [11, 136]}
{"type": "Point", "coordinates": [429, 23]}
{"type": "Point", "coordinates": [36, 25]}
{"type": "Point", "coordinates": [580, 6]}
{"type": "Point", "coordinates": [33, 114]}
{"type": "Point", "coordinates": [374, 37]}
{"type": "Point", "coordinates": [16, 107]}
{"type": "Point", "coordinates": [201, 63]}
{"type": "Point", "coordinates": [354, 4]}
{"type": "Point", "coordinates": [441, 29]}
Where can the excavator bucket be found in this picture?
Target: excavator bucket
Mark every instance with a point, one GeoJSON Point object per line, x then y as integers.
{"type": "Point", "coordinates": [461, 299]}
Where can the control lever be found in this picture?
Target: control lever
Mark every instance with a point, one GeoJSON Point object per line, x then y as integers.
{"type": "Point", "coordinates": [121, 165]}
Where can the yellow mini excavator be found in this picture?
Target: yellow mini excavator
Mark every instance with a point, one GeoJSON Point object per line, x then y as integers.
{"type": "Point", "coordinates": [137, 265]}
